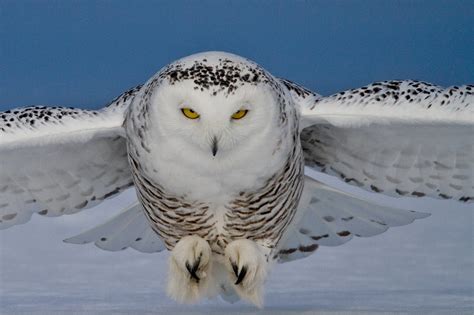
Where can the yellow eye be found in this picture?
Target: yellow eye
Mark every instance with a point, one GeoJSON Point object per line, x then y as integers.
{"type": "Point", "coordinates": [189, 113]}
{"type": "Point", "coordinates": [240, 114]}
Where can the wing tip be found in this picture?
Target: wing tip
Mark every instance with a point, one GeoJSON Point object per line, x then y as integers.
{"type": "Point", "coordinates": [75, 240]}
{"type": "Point", "coordinates": [420, 215]}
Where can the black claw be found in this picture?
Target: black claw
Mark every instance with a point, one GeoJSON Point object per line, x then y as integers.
{"type": "Point", "coordinates": [235, 268]}
{"type": "Point", "coordinates": [241, 275]}
{"type": "Point", "coordinates": [192, 272]}
{"type": "Point", "coordinates": [192, 269]}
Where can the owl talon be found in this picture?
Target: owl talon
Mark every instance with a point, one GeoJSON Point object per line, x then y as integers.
{"type": "Point", "coordinates": [192, 269]}
{"type": "Point", "coordinates": [190, 265]}
{"type": "Point", "coordinates": [241, 275]}
{"type": "Point", "coordinates": [235, 268]}
{"type": "Point", "coordinates": [247, 264]}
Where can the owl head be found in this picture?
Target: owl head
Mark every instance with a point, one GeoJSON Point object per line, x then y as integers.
{"type": "Point", "coordinates": [216, 107]}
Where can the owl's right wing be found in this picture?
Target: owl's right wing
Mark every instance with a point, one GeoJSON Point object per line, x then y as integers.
{"type": "Point", "coordinates": [56, 161]}
{"type": "Point", "coordinates": [130, 228]}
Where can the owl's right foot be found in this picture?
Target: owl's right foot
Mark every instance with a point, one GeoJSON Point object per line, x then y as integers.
{"type": "Point", "coordinates": [247, 268]}
{"type": "Point", "coordinates": [189, 275]}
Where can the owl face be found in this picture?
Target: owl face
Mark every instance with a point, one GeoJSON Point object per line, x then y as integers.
{"type": "Point", "coordinates": [215, 106]}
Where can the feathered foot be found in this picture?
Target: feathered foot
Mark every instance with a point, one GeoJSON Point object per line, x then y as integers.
{"type": "Point", "coordinates": [247, 267]}
{"type": "Point", "coordinates": [189, 276]}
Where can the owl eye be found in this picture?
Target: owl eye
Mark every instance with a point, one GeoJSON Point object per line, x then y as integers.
{"type": "Point", "coordinates": [189, 113]}
{"type": "Point", "coordinates": [240, 114]}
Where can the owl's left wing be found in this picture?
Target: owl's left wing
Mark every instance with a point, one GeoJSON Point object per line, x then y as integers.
{"type": "Point", "coordinates": [327, 216]}
{"type": "Point", "coordinates": [399, 138]}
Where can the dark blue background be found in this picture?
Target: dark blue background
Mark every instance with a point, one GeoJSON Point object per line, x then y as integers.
{"type": "Point", "coordinates": [84, 53]}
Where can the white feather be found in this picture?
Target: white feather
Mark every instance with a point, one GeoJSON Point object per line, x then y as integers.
{"type": "Point", "coordinates": [400, 138]}
{"type": "Point", "coordinates": [58, 161]}
{"type": "Point", "coordinates": [130, 228]}
{"type": "Point", "coordinates": [332, 218]}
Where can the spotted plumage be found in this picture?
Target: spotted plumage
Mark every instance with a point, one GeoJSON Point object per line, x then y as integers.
{"type": "Point", "coordinates": [398, 157]}
{"type": "Point", "coordinates": [228, 196]}
{"type": "Point", "coordinates": [224, 76]}
{"type": "Point", "coordinates": [31, 117]}
{"type": "Point", "coordinates": [404, 93]}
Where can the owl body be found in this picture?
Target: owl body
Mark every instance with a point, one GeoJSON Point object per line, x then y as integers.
{"type": "Point", "coordinates": [186, 190]}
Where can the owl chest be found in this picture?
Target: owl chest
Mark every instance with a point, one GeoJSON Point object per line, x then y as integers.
{"type": "Point", "coordinates": [219, 224]}
{"type": "Point", "coordinates": [173, 218]}
{"type": "Point", "coordinates": [261, 215]}
{"type": "Point", "coordinates": [217, 207]}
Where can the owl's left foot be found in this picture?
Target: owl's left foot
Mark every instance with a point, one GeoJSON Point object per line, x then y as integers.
{"type": "Point", "coordinates": [247, 266]}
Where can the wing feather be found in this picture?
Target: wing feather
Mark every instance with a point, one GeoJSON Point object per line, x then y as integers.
{"type": "Point", "coordinates": [56, 161]}
{"type": "Point", "coordinates": [329, 217]}
{"type": "Point", "coordinates": [399, 138]}
{"type": "Point", "coordinates": [129, 228]}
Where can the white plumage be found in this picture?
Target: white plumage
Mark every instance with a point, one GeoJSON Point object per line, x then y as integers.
{"type": "Point", "coordinates": [222, 185]}
{"type": "Point", "coordinates": [402, 138]}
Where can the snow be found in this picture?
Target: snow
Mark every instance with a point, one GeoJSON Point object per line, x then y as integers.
{"type": "Point", "coordinates": [425, 267]}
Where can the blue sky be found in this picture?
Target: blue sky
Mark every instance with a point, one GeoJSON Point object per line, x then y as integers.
{"type": "Point", "coordinates": [84, 53]}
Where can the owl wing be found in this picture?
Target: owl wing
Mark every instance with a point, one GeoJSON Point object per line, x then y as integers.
{"type": "Point", "coordinates": [399, 138]}
{"type": "Point", "coordinates": [56, 161]}
{"type": "Point", "coordinates": [130, 228]}
{"type": "Point", "coordinates": [327, 216]}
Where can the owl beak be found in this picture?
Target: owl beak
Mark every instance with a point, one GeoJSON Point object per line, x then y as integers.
{"type": "Point", "coordinates": [214, 146]}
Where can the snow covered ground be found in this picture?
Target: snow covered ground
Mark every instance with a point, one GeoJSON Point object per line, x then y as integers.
{"type": "Point", "coordinates": [425, 267]}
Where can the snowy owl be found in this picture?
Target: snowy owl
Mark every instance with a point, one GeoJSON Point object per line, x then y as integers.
{"type": "Point", "coordinates": [216, 149]}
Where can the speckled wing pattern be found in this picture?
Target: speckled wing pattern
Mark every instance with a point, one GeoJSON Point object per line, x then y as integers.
{"type": "Point", "coordinates": [329, 217]}
{"type": "Point", "coordinates": [399, 138]}
{"type": "Point", "coordinates": [58, 161]}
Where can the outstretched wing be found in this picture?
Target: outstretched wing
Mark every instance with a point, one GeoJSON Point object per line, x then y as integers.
{"type": "Point", "coordinates": [329, 217]}
{"type": "Point", "coordinates": [56, 161]}
{"type": "Point", "coordinates": [399, 138]}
